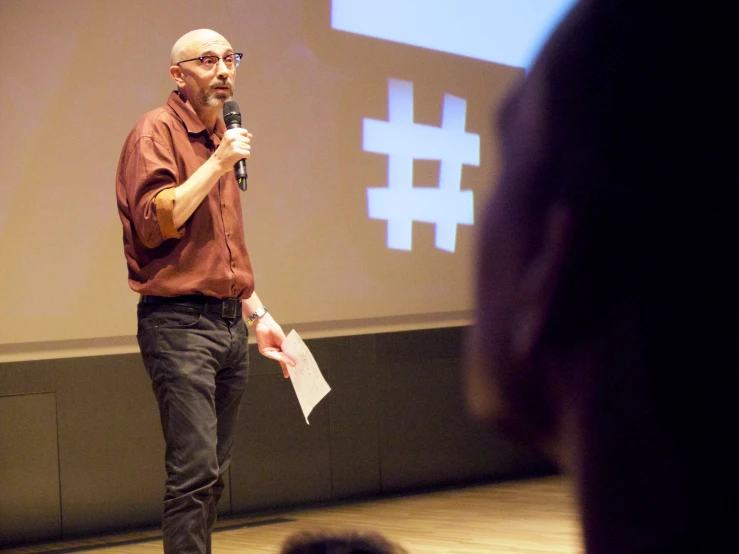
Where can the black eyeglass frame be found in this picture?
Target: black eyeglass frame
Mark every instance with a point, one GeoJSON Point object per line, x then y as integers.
{"type": "Point", "coordinates": [236, 55]}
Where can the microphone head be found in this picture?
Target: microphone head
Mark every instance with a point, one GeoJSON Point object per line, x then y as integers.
{"type": "Point", "coordinates": [231, 113]}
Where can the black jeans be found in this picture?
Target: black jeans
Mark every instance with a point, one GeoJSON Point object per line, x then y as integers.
{"type": "Point", "coordinates": [198, 364]}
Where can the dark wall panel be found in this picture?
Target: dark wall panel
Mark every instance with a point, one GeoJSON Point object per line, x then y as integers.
{"type": "Point", "coordinates": [350, 366]}
{"type": "Point", "coordinates": [29, 474]}
{"type": "Point", "coordinates": [425, 435]}
{"type": "Point", "coordinates": [26, 377]}
{"type": "Point", "coordinates": [110, 444]}
{"type": "Point", "coordinates": [81, 449]}
{"type": "Point", "coordinates": [278, 458]}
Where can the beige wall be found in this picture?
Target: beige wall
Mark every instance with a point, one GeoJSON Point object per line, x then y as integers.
{"type": "Point", "coordinates": [84, 71]}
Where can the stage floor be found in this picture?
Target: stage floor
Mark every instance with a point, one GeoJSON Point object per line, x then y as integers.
{"type": "Point", "coordinates": [528, 516]}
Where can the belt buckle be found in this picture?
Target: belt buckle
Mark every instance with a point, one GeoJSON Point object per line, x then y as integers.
{"type": "Point", "coordinates": [230, 308]}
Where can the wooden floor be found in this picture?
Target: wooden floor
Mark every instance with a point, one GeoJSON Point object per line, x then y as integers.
{"type": "Point", "coordinates": [533, 516]}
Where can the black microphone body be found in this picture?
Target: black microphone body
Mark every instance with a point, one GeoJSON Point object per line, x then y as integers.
{"type": "Point", "coordinates": [232, 118]}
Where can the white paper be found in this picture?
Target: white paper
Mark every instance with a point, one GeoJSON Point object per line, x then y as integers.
{"type": "Point", "coordinates": [308, 382]}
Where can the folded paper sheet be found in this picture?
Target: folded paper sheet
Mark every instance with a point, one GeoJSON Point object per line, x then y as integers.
{"type": "Point", "coordinates": [310, 386]}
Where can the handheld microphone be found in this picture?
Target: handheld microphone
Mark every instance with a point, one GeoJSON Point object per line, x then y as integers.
{"type": "Point", "coordinates": [232, 118]}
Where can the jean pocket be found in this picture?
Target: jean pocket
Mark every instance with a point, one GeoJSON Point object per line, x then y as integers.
{"type": "Point", "coordinates": [169, 317]}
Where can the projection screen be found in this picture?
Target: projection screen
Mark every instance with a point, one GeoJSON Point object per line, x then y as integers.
{"type": "Point", "coordinates": [373, 154]}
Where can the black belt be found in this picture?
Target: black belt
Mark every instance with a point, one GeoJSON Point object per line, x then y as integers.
{"type": "Point", "coordinates": [225, 307]}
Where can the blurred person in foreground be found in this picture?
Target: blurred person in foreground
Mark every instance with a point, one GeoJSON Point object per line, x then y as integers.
{"type": "Point", "coordinates": [607, 320]}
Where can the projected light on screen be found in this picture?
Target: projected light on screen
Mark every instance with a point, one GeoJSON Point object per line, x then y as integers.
{"type": "Point", "coordinates": [496, 31]}
{"type": "Point", "coordinates": [499, 31]}
{"type": "Point", "coordinates": [403, 141]}
{"type": "Point", "coordinates": [367, 214]}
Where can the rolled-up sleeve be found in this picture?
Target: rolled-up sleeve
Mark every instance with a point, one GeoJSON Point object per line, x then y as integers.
{"type": "Point", "coordinates": [164, 202]}
{"type": "Point", "coordinates": [150, 177]}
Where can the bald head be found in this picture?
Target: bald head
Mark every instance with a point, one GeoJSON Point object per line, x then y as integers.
{"type": "Point", "coordinates": [192, 44]}
{"type": "Point", "coordinates": [204, 86]}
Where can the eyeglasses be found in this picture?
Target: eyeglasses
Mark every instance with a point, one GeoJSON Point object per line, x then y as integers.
{"type": "Point", "coordinates": [209, 62]}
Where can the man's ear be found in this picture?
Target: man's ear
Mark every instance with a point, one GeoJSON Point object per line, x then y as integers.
{"type": "Point", "coordinates": [538, 285]}
{"type": "Point", "coordinates": [176, 73]}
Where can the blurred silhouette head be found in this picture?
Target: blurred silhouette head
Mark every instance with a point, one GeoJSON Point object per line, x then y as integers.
{"type": "Point", "coordinates": [606, 314]}
{"type": "Point", "coordinates": [339, 542]}
{"type": "Point", "coordinates": [608, 235]}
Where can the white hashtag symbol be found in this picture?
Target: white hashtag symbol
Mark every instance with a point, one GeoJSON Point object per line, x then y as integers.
{"type": "Point", "coordinates": [403, 141]}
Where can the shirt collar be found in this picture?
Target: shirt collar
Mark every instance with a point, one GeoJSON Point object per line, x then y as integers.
{"type": "Point", "coordinates": [190, 118]}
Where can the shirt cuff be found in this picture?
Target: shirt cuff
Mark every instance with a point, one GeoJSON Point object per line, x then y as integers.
{"type": "Point", "coordinates": [164, 202]}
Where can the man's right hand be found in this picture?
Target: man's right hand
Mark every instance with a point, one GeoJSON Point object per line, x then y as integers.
{"type": "Point", "coordinates": [235, 145]}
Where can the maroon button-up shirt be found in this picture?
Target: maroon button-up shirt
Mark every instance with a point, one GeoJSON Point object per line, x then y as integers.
{"type": "Point", "coordinates": [207, 255]}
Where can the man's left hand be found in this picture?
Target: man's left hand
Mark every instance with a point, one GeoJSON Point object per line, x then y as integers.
{"type": "Point", "coordinates": [269, 340]}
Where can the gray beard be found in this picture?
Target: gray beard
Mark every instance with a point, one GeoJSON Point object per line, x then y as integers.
{"type": "Point", "coordinates": [208, 98]}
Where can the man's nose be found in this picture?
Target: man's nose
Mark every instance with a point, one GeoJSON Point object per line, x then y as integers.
{"type": "Point", "coordinates": [223, 70]}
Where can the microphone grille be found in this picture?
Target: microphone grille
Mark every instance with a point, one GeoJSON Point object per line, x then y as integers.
{"type": "Point", "coordinates": [231, 113]}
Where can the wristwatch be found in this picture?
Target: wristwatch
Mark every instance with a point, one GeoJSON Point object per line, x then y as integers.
{"type": "Point", "coordinates": [256, 315]}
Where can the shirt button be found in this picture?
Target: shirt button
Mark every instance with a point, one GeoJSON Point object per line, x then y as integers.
{"type": "Point", "coordinates": [233, 264]}
{"type": "Point", "coordinates": [223, 204]}
{"type": "Point", "coordinates": [228, 234]}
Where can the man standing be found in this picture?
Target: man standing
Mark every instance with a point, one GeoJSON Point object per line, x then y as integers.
{"type": "Point", "coordinates": [183, 237]}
